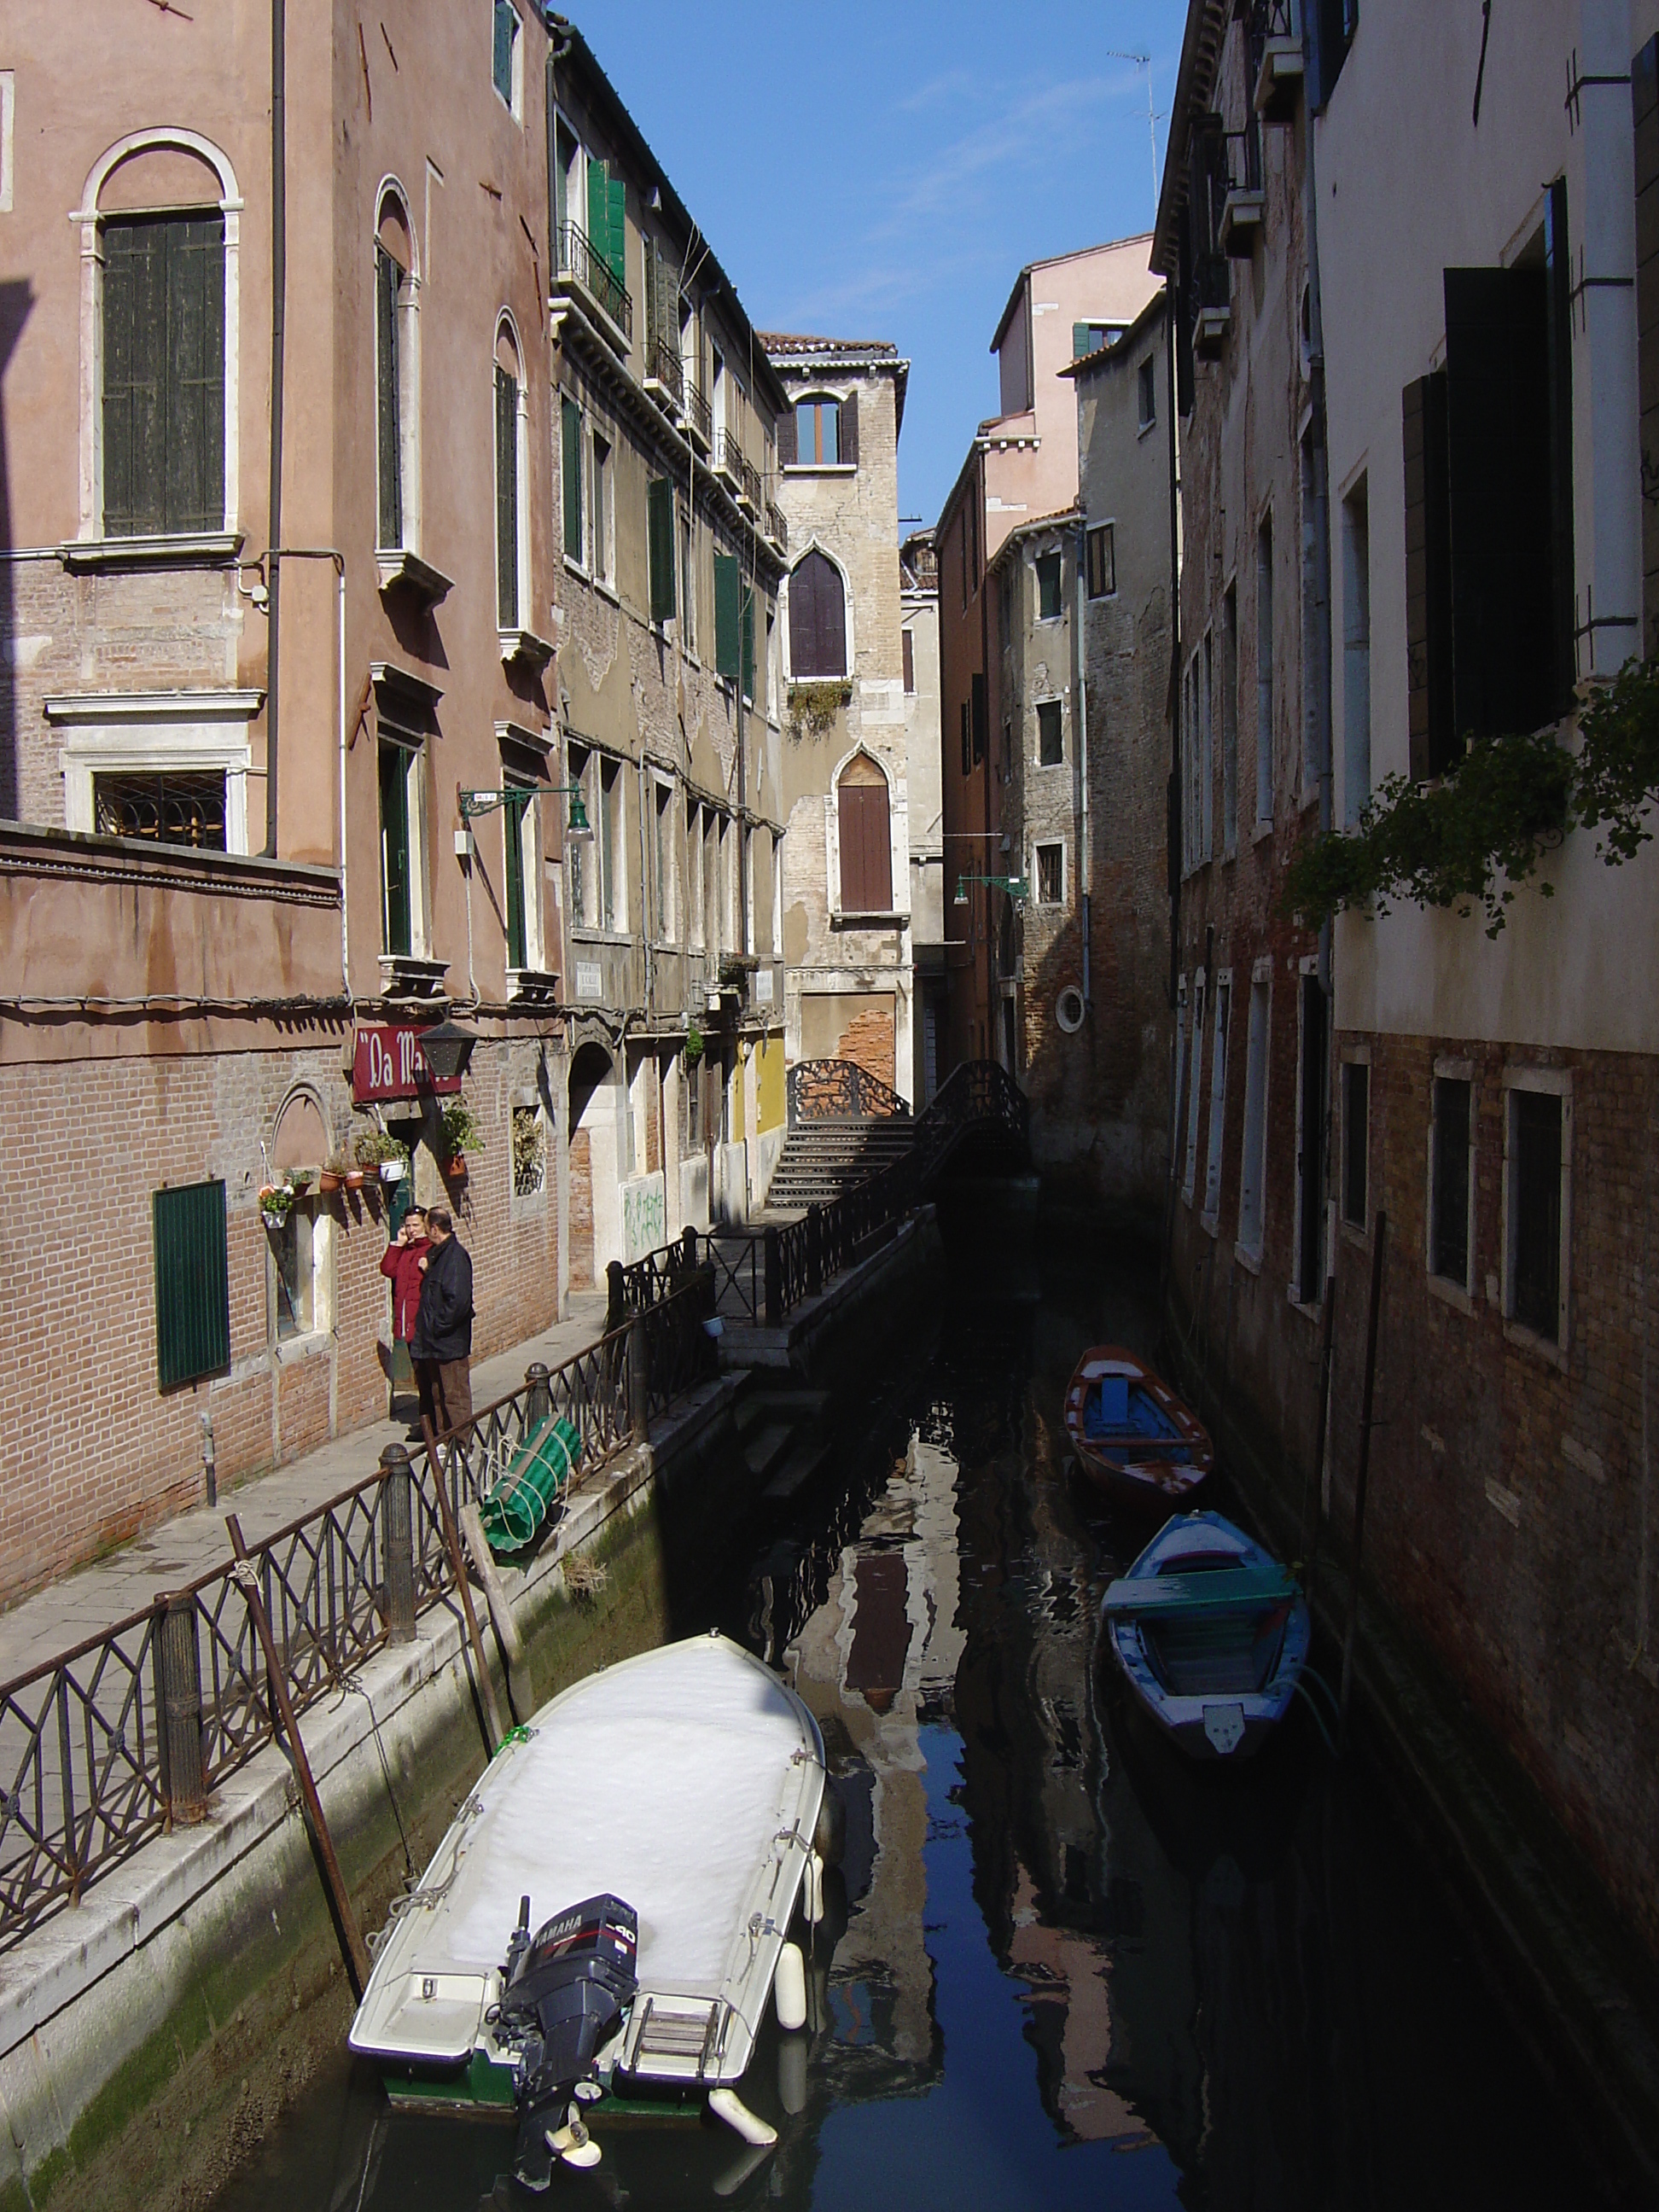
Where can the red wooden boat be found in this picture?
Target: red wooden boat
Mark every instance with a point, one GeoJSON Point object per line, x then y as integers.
{"type": "Point", "coordinates": [1132, 1434]}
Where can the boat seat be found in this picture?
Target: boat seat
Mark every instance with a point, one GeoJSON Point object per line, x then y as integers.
{"type": "Point", "coordinates": [1249, 1591]}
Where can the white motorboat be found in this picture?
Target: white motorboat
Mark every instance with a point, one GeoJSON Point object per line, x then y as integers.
{"type": "Point", "coordinates": [653, 1827]}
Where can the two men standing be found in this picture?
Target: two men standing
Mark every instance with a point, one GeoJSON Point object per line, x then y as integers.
{"type": "Point", "coordinates": [431, 1275]}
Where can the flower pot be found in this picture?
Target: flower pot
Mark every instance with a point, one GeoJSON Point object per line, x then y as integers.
{"type": "Point", "coordinates": [455, 1170]}
{"type": "Point", "coordinates": [328, 1181]}
{"type": "Point", "coordinates": [271, 1218]}
{"type": "Point", "coordinates": [393, 1171]}
{"type": "Point", "coordinates": [356, 1178]}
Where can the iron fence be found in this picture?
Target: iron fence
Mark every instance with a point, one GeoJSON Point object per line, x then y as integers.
{"type": "Point", "coordinates": [578, 259]}
{"type": "Point", "coordinates": [699, 417]}
{"type": "Point", "coordinates": [124, 1737]}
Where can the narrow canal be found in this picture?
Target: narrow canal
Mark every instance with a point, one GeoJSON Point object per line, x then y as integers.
{"type": "Point", "coordinates": [1061, 1967]}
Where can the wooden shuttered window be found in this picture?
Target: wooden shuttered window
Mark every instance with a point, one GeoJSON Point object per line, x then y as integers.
{"type": "Point", "coordinates": [659, 533]}
{"type": "Point", "coordinates": [866, 861]}
{"type": "Point", "coordinates": [1428, 578]}
{"type": "Point", "coordinates": [164, 375]}
{"type": "Point", "coordinates": [395, 930]}
{"type": "Point", "coordinates": [1644, 111]}
{"type": "Point", "coordinates": [817, 619]}
{"type": "Point", "coordinates": [607, 218]}
{"type": "Point", "coordinates": [1507, 437]}
{"type": "Point", "coordinates": [507, 500]}
{"type": "Point", "coordinates": [193, 1283]}
{"type": "Point", "coordinates": [849, 431]}
{"type": "Point", "coordinates": [514, 813]}
{"type": "Point", "coordinates": [570, 474]}
{"type": "Point", "coordinates": [981, 716]}
{"type": "Point", "coordinates": [786, 445]}
{"type": "Point", "coordinates": [909, 650]}
{"type": "Point", "coordinates": [728, 623]}
{"type": "Point", "coordinates": [388, 282]}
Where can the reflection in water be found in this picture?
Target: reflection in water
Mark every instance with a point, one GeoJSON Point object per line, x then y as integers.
{"type": "Point", "coordinates": [1060, 1965]}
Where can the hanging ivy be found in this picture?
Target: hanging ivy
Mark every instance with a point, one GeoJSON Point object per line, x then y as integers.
{"type": "Point", "coordinates": [1482, 832]}
{"type": "Point", "coordinates": [814, 707]}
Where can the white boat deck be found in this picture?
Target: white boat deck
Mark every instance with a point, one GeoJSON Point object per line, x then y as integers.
{"type": "Point", "coordinates": [685, 1782]}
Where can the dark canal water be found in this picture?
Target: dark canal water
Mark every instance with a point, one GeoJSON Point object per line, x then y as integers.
{"type": "Point", "coordinates": [1067, 1969]}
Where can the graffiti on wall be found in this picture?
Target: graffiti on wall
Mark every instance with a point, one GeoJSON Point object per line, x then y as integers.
{"type": "Point", "coordinates": [644, 1217]}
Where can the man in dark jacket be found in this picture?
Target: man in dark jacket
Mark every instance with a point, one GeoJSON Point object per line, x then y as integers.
{"type": "Point", "coordinates": [441, 1346]}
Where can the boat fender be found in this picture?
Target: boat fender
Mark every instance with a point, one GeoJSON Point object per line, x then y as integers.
{"type": "Point", "coordinates": [830, 1832]}
{"type": "Point", "coordinates": [792, 2073]}
{"type": "Point", "coordinates": [747, 2161]}
{"type": "Point", "coordinates": [789, 1988]}
{"type": "Point", "coordinates": [726, 2105]}
{"type": "Point", "coordinates": [812, 1890]}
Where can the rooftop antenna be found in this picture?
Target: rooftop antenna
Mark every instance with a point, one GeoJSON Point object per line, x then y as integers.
{"type": "Point", "coordinates": [1143, 61]}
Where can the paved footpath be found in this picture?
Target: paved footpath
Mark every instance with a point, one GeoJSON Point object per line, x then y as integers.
{"type": "Point", "coordinates": [175, 1551]}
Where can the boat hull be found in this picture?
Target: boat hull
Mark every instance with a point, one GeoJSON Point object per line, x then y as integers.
{"type": "Point", "coordinates": [1227, 1719]}
{"type": "Point", "coordinates": [1128, 1464]}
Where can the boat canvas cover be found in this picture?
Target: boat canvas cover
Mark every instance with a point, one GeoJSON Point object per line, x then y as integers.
{"type": "Point", "coordinates": [686, 1781]}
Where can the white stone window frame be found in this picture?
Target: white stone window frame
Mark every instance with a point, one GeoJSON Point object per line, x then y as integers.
{"type": "Point", "coordinates": [822, 396]}
{"type": "Point", "coordinates": [898, 833]}
{"type": "Point", "coordinates": [1221, 1040]}
{"type": "Point", "coordinates": [1450, 1069]}
{"type": "Point", "coordinates": [319, 1223]}
{"type": "Point", "coordinates": [514, 737]}
{"type": "Point", "coordinates": [815, 545]}
{"type": "Point", "coordinates": [90, 218]}
{"type": "Point", "coordinates": [514, 104]}
{"type": "Point", "coordinates": [506, 327]}
{"type": "Point", "coordinates": [409, 372]}
{"type": "Point", "coordinates": [664, 794]}
{"type": "Point", "coordinates": [8, 139]}
{"type": "Point", "coordinates": [138, 732]}
{"type": "Point", "coordinates": [1045, 550]}
{"type": "Point", "coordinates": [1557, 1082]}
{"type": "Point", "coordinates": [1039, 766]}
{"type": "Point", "coordinates": [1194, 1082]}
{"type": "Point", "coordinates": [1049, 845]}
{"type": "Point", "coordinates": [1357, 1233]}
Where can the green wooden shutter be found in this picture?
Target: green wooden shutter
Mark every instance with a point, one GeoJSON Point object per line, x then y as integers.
{"type": "Point", "coordinates": [394, 848]}
{"type": "Point", "coordinates": [598, 211]}
{"type": "Point", "coordinates": [195, 417]}
{"type": "Point", "coordinates": [571, 475]}
{"type": "Point", "coordinates": [727, 619]}
{"type": "Point", "coordinates": [193, 1283]}
{"type": "Point", "coordinates": [848, 431]}
{"type": "Point", "coordinates": [512, 814]}
{"type": "Point", "coordinates": [659, 517]}
{"type": "Point", "coordinates": [507, 500]}
{"type": "Point", "coordinates": [1079, 340]}
{"type": "Point", "coordinates": [391, 521]}
{"type": "Point", "coordinates": [617, 228]}
{"type": "Point", "coordinates": [507, 23]}
{"type": "Point", "coordinates": [747, 626]}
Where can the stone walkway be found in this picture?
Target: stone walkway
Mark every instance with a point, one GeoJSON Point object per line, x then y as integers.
{"type": "Point", "coordinates": [56, 1619]}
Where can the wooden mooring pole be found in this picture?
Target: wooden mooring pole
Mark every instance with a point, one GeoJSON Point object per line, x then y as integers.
{"type": "Point", "coordinates": [1362, 1472]}
{"type": "Point", "coordinates": [356, 1957]}
{"type": "Point", "coordinates": [1313, 1489]}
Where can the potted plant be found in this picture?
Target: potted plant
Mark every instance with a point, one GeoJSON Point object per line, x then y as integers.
{"type": "Point", "coordinates": [299, 1180]}
{"type": "Point", "coordinates": [382, 1154]}
{"type": "Point", "coordinates": [276, 1204]}
{"type": "Point", "coordinates": [461, 1135]}
{"type": "Point", "coordinates": [693, 1044]}
{"type": "Point", "coordinates": [336, 1172]}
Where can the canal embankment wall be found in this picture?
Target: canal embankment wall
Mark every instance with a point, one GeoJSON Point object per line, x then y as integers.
{"type": "Point", "coordinates": [1576, 1981]}
{"type": "Point", "coordinates": [151, 2035]}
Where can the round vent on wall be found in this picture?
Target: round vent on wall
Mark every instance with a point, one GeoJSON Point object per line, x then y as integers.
{"type": "Point", "coordinates": [1068, 1009]}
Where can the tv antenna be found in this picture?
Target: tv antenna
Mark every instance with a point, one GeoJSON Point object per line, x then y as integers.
{"type": "Point", "coordinates": [1143, 61]}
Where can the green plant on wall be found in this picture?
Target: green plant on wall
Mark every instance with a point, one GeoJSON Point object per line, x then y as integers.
{"type": "Point", "coordinates": [814, 707]}
{"type": "Point", "coordinates": [1483, 831]}
{"type": "Point", "coordinates": [693, 1044]}
{"type": "Point", "coordinates": [461, 1133]}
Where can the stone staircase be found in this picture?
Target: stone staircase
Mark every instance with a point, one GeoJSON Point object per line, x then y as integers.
{"type": "Point", "coordinates": [822, 1159]}
{"type": "Point", "coordinates": [785, 1439]}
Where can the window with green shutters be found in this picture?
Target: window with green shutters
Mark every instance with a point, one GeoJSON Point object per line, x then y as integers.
{"type": "Point", "coordinates": [193, 1283]}
{"type": "Point", "coordinates": [507, 500]}
{"type": "Point", "coordinates": [164, 375]}
{"type": "Point", "coordinates": [659, 520]}
{"type": "Point", "coordinates": [395, 764]}
{"type": "Point", "coordinates": [570, 475]}
{"type": "Point", "coordinates": [746, 628]}
{"type": "Point", "coordinates": [728, 621]}
{"type": "Point", "coordinates": [515, 815]}
{"type": "Point", "coordinates": [388, 289]}
{"type": "Point", "coordinates": [607, 218]}
{"type": "Point", "coordinates": [1049, 587]}
{"type": "Point", "coordinates": [505, 49]}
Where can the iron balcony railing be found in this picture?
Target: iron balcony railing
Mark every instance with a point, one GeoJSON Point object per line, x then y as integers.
{"type": "Point", "coordinates": [777, 529]}
{"type": "Point", "coordinates": [578, 260]}
{"type": "Point", "coordinates": [1271, 19]}
{"type": "Point", "coordinates": [126, 1735]}
{"type": "Point", "coordinates": [749, 483]}
{"type": "Point", "coordinates": [667, 369]}
{"type": "Point", "coordinates": [699, 417]}
{"type": "Point", "coordinates": [728, 457]}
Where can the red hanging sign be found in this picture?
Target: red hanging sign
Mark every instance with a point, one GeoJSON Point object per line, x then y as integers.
{"type": "Point", "coordinates": [391, 1065]}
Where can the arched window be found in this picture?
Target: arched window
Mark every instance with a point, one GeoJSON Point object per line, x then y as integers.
{"type": "Point", "coordinates": [156, 224]}
{"type": "Point", "coordinates": [817, 619]}
{"type": "Point", "coordinates": [866, 855]}
{"type": "Point", "coordinates": [394, 381]}
{"type": "Point", "coordinates": [509, 468]}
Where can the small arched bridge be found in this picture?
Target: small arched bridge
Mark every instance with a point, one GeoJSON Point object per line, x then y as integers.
{"type": "Point", "coordinates": [847, 1126]}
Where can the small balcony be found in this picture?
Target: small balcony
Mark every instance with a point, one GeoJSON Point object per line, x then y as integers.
{"type": "Point", "coordinates": [1276, 58]}
{"type": "Point", "coordinates": [729, 463]}
{"type": "Point", "coordinates": [596, 285]}
{"type": "Point", "coordinates": [1212, 314]}
{"type": "Point", "coordinates": [1242, 198]}
{"type": "Point", "coordinates": [665, 376]}
{"type": "Point", "coordinates": [776, 528]}
{"type": "Point", "coordinates": [699, 420]}
{"type": "Point", "coordinates": [749, 490]}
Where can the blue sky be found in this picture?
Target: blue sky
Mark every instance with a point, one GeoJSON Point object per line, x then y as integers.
{"type": "Point", "coordinates": [883, 170]}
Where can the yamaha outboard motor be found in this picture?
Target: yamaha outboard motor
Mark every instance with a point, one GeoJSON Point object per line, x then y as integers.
{"type": "Point", "coordinates": [563, 1991]}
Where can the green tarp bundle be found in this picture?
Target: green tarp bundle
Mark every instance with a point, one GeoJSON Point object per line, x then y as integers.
{"type": "Point", "coordinates": [543, 1464]}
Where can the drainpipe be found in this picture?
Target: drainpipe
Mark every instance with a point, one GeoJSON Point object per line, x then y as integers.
{"type": "Point", "coordinates": [1173, 829]}
{"type": "Point", "coordinates": [278, 299]}
{"type": "Point", "coordinates": [1081, 747]}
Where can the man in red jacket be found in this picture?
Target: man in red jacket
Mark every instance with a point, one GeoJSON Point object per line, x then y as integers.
{"type": "Point", "coordinates": [404, 1264]}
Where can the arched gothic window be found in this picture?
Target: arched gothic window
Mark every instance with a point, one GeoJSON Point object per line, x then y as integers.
{"type": "Point", "coordinates": [817, 619]}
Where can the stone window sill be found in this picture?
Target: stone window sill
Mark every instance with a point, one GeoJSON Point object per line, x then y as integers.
{"type": "Point", "coordinates": [189, 549]}
{"type": "Point", "coordinates": [1248, 1256]}
{"type": "Point", "coordinates": [1528, 1339]}
{"type": "Point", "coordinates": [399, 570]}
{"type": "Point", "coordinates": [524, 646]}
{"type": "Point", "coordinates": [1449, 1293]}
{"type": "Point", "coordinates": [869, 921]}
